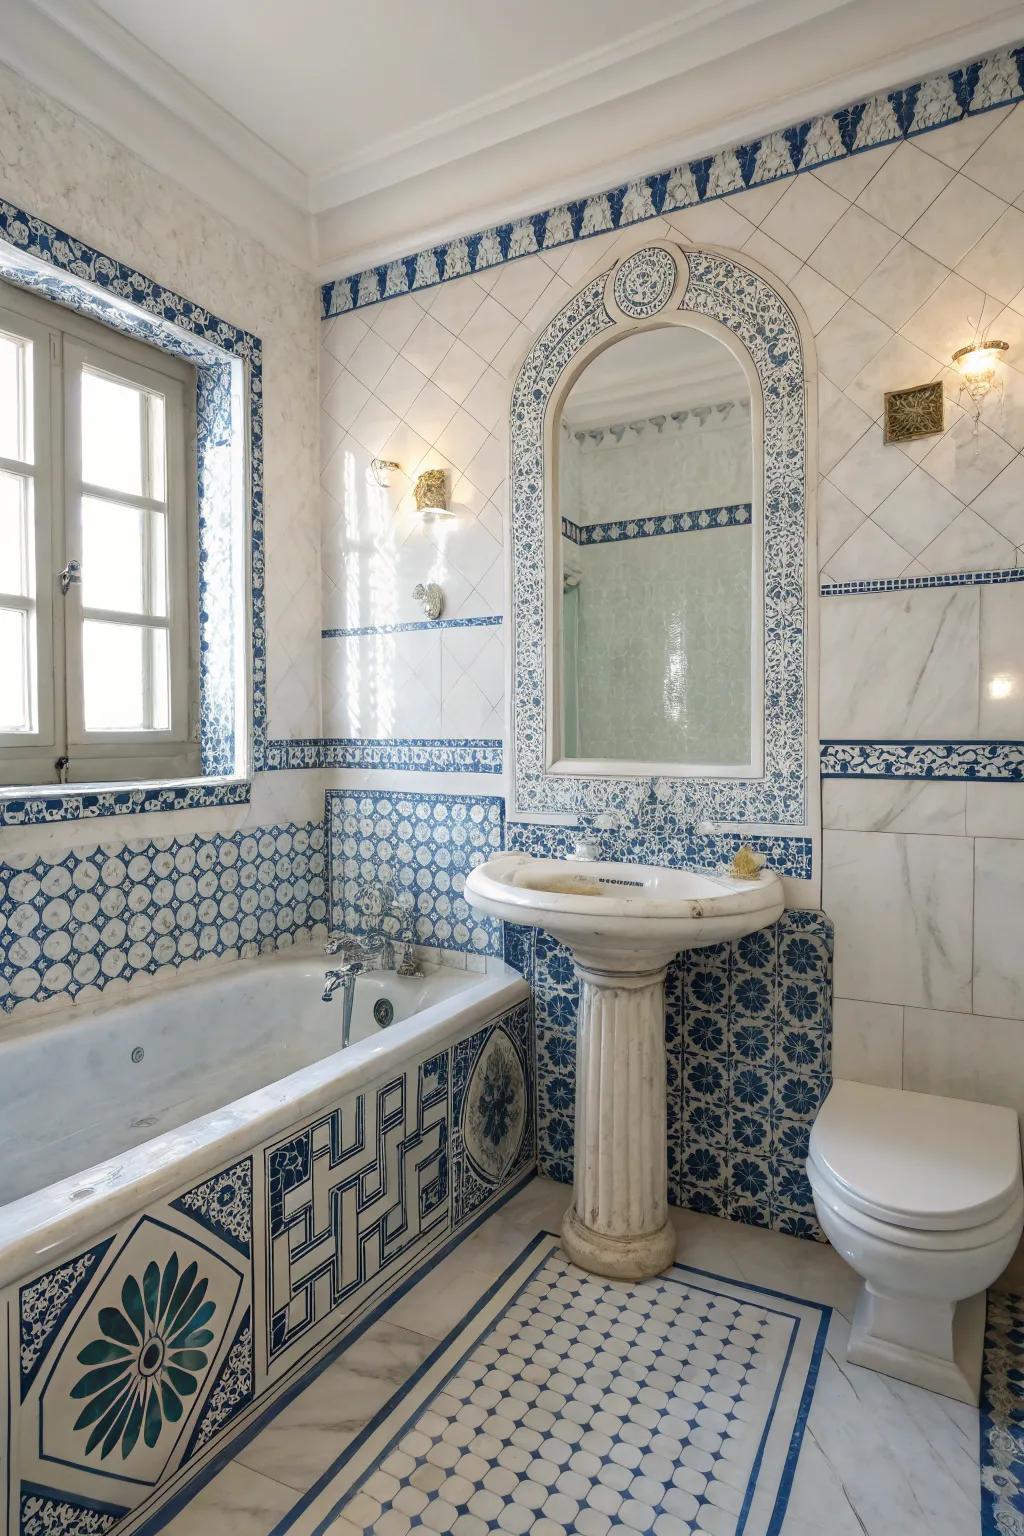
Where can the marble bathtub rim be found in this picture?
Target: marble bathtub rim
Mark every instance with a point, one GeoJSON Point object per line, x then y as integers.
{"type": "Point", "coordinates": [58, 1220]}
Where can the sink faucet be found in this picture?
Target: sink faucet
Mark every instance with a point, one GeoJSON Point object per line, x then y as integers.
{"type": "Point", "coordinates": [343, 977]}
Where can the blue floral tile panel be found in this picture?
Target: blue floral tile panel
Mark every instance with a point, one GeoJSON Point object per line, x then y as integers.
{"type": "Point", "coordinates": [423, 845]}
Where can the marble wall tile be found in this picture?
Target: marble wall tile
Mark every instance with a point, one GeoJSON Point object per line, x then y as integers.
{"type": "Point", "coordinates": [998, 909]}
{"type": "Point", "coordinates": [900, 664]}
{"type": "Point", "coordinates": [995, 810]}
{"type": "Point", "coordinates": [902, 910]}
{"type": "Point", "coordinates": [967, 1056]}
{"type": "Point", "coordinates": [889, 805]}
{"type": "Point", "coordinates": [1001, 708]}
{"type": "Point", "coordinates": [867, 1042]}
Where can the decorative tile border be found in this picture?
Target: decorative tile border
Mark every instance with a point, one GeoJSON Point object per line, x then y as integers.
{"type": "Point", "coordinates": [19, 810]}
{"type": "Point", "coordinates": [749, 1039]}
{"type": "Point", "coordinates": [1002, 1418]}
{"type": "Point", "coordinates": [998, 762]}
{"type": "Point", "coordinates": [670, 846]}
{"type": "Point", "coordinates": [986, 83]}
{"type": "Point", "coordinates": [722, 289]}
{"type": "Point", "coordinates": [73, 921]}
{"type": "Point", "coordinates": [415, 754]}
{"type": "Point", "coordinates": [40, 257]}
{"type": "Point", "coordinates": [422, 844]}
{"type": "Point", "coordinates": [486, 621]}
{"type": "Point", "coordinates": [915, 583]}
{"type": "Point", "coordinates": [697, 521]}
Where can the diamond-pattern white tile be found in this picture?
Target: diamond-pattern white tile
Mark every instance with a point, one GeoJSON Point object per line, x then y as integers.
{"type": "Point", "coordinates": [869, 246]}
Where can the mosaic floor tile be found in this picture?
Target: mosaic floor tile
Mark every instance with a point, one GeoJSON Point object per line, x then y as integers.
{"type": "Point", "coordinates": [1002, 1418]}
{"type": "Point", "coordinates": [568, 1403]}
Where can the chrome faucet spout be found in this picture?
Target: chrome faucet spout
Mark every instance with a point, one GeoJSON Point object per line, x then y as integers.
{"type": "Point", "coordinates": [343, 976]}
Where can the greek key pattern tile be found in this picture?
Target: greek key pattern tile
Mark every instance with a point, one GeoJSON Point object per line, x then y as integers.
{"type": "Point", "coordinates": [351, 1196]}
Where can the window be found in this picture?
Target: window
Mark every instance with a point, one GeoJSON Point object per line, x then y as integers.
{"type": "Point", "coordinates": [96, 618]}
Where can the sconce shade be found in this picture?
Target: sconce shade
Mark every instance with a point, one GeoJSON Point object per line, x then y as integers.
{"type": "Point", "coordinates": [977, 365]}
{"type": "Point", "coordinates": [431, 491]}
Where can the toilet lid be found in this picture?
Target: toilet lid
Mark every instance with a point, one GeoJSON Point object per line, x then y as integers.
{"type": "Point", "coordinates": [917, 1160]}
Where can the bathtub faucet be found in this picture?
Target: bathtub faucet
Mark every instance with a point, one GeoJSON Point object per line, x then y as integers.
{"type": "Point", "coordinates": [343, 977]}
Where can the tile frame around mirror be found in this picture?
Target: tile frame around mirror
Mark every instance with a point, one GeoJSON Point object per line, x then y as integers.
{"type": "Point", "coordinates": [665, 283]}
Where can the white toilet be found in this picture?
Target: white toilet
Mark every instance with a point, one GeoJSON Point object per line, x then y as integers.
{"type": "Point", "coordinates": [923, 1197]}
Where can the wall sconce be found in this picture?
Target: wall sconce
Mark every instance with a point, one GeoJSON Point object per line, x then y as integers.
{"type": "Point", "coordinates": [381, 469]}
{"type": "Point", "coordinates": [978, 365]}
{"type": "Point", "coordinates": [431, 492]}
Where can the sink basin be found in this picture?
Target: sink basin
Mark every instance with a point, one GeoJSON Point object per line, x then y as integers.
{"type": "Point", "coordinates": [623, 916]}
{"type": "Point", "coordinates": [623, 924]}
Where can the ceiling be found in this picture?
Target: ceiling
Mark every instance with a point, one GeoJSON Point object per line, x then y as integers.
{"type": "Point", "coordinates": [345, 132]}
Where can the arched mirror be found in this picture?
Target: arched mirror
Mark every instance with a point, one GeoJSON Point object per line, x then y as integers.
{"type": "Point", "coordinates": [661, 607]}
{"type": "Point", "coordinates": [658, 656]}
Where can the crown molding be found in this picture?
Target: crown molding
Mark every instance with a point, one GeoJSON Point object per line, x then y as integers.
{"type": "Point", "coordinates": [76, 53]}
{"type": "Point", "coordinates": [706, 29]}
{"type": "Point", "coordinates": [886, 67]}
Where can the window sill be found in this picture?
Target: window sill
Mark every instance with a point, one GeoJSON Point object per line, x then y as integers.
{"type": "Point", "coordinates": [35, 805]}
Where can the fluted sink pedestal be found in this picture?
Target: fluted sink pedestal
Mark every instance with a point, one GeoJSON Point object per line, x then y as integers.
{"type": "Point", "coordinates": [623, 923]}
{"type": "Point", "coordinates": [618, 1224]}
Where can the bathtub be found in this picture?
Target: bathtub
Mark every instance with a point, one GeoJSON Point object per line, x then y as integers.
{"type": "Point", "coordinates": [210, 1148]}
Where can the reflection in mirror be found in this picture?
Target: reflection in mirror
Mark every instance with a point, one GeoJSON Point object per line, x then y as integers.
{"type": "Point", "coordinates": [655, 492]}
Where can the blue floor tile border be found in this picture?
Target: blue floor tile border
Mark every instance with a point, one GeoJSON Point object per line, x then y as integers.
{"type": "Point", "coordinates": [542, 1248]}
{"type": "Point", "coordinates": [1001, 1418]}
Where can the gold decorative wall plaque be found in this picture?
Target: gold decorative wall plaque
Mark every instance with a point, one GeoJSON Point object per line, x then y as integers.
{"type": "Point", "coordinates": [912, 413]}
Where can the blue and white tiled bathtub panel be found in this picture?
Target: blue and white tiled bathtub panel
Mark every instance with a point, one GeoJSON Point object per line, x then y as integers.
{"type": "Point", "coordinates": [204, 1307]}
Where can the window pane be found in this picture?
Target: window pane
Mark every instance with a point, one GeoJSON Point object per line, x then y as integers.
{"type": "Point", "coordinates": [16, 536]}
{"type": "Point", "coordinates": [17, 682]}
{"type": "Point", "coordinates": [126, 677]}
{"type": "Point", "coordinates": [15, 391]}
{"type": "Point", "coordinates": [124, 558]}
{"type": "Point", "coordinates": [112, 433]}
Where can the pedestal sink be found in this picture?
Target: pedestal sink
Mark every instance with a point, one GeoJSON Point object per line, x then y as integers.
{"type": "Point", "coordinates": [623, 924]}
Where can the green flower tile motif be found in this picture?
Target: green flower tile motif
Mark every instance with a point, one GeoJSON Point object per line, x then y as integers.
{"type": "Point", "coordinates": [153, 1349]}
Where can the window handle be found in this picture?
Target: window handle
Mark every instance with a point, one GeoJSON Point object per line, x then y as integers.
{"type": "Point", "coordinates": [70, 576]}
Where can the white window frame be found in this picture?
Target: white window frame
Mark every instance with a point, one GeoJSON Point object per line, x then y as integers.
{"type": "Point", "coordinates": [62, 343]}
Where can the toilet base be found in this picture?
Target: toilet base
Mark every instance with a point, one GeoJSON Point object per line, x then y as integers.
{"type": "Point", "coordinates": [940, 1343]}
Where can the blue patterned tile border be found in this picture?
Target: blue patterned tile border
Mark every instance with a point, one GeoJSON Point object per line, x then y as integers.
{"type": "Point", "coordinates": [790, 856]}
{"type": "Point", "coordinates": [986, 83]}
{"type": "Point", "coordinates": [21, 810]}
{"type": "Point", "coordinates": [423, 754]}
{"type": "Point", "coordinates": [422, 844]}
{"type": "Point", "coordinates": [993, 762]}
{"type": "Point", "coordinates": [914, 583]}
{"type": "Point", "coordinates": [1002, 1418]}
{"type": "Point", "coordinates": [698, 521]}
{"type": "Point", "coordinates": [72, 920]}
{"type": "Point", "coordinates": [484, 622]}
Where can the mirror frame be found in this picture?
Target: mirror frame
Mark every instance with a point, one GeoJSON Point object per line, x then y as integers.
{"type": "Point", "coordinates": [661, 283]}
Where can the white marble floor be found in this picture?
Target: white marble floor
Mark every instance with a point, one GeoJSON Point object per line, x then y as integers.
{"type": "Point", "coordinates": [878, 1458]}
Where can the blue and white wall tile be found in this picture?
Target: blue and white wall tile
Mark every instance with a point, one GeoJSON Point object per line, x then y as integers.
{"type": "Point", "coordinates": [76, 923]}
{"type": "Point", "coordinates": [748, 1031]}
{"type": "Point", "coordinates": [422, 844]}
{"type": "Point", "coordinates": [895, 252]}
